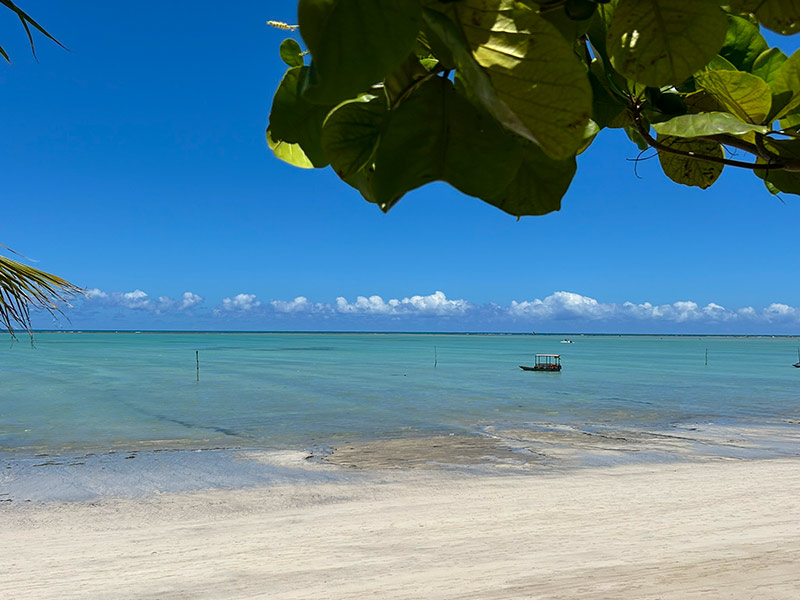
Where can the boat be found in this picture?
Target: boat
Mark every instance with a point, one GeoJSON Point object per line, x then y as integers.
{"type": "Point", "coordinates": [797, 364]}
{"type": "Point", "coordinates": [545, 362]}
{"type": "Point", "coordinates": [567, 341]}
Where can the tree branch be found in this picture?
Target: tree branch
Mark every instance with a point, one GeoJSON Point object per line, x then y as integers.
{"type": "Point", "coordinates": [644, 131]}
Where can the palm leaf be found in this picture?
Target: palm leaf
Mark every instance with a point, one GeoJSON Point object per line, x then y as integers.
{"type": "Point", "coordinates": [23, 287]}
{"type": "Point", "coordinates": [27, 22]}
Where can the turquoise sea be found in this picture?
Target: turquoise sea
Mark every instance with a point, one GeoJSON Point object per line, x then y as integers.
{"type": "Point", "coordinates": [74, 393]}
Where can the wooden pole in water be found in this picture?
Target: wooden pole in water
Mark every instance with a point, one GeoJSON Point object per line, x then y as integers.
{"type": "Point", "coordinates": [197, 361]}
{"type": "Point", "coordinates": [706, 356]}
{"type": "Point", "coordinates": [435, 357]}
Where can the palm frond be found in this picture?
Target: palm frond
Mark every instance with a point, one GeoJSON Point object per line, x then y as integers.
{"type": "Point", "coordinates": [23, 287]}
{"type": "Point", "coordinates": [27, 23]}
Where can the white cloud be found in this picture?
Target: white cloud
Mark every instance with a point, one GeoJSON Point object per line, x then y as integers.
{"type": "Point", "coordinates": [188, 300]}
{"type": "Point", "coordinates": [240, 303]}
{"type": "Point", "coordinates": [569, 305]}
{"type": "Point", "coordinates": [435, 304]}
{"type": "Point", "coordinates": [139, 300]}
{"type": "Point", "coordinates": [95, 293]}
{"type": "Point", "coordinates": [559, 306]}
{"type": "Point", "coordinates": [562, 305]}
{"type": "Point", "coordinates": [780, 312]}
{"type": "Point", "coordinates": [134, 299]}
{"type": "Point", "coordinates": [300, 304]}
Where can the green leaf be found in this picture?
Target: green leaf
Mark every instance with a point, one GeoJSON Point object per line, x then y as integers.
{"type": "Point", "coordinates": [771, 188]}
{"type": "Point", "coordinates": [355, 43]}
{"type": "Point", "coordinates": [786, 87]}
{"type": "Point", "coordinates": [606, 109]}
{"type": "Point", "coordinates": [744, 95]}
{"type": "Point", "coordinates": [767, 64]}
{"type": "Point", "coordinates": [743, 43]}
{"type": "Point", "coordinates": [663, 42]}
{"type": "Point", "coordinates": [687, 170]}
{"type": "Point", "coordinates": [636, 137]}
{"type": "Point", "coordinates": [788, 149]}
{"type": "Point", "coordinates": [704, 124]}
{"type": "Point", "coordinates": [290, 153]}
{"type": "Point", "coordinates": [569, 27]}
{"type": "Point", "coordinates": [533, 70]}
{"type": "Point", "coordinates": [791, 121]}
{"type": "Point", "coordinates": [538, 186]}
{"type": "Point", "coordinates": [351, 133]}
{"type": "Point", "coordinates": [782, 16]}
{"type": "Point", "coordinates": [291, 53]}
{"type": "Point", "coordinates": [443, 33]}
{"type": "Point", "coordinates": [720, 63]}
{"type": "Point", "coordinates": [436, 134]}
{"type": "Point", "coordinates": [295, 120]}
{"type": "Point", "coordinates": [403, 78]}
{"type": "Point", "coordinates": [592, 129]}
{"type": "Point", "coordinates": [783, 181]}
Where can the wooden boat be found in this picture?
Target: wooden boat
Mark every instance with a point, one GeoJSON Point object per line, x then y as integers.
{"type": "Point", "coordinates": [545, 362]}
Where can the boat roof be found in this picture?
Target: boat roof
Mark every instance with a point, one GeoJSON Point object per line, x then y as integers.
{"type": "Point", "coordinates": [553, 355]}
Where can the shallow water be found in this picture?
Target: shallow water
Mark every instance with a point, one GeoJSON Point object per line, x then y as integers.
{"type": "Point", "coordinates": [74, 393]}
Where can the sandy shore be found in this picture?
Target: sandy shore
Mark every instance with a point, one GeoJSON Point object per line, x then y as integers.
{"type": "Point", "coordinates": [709, 529]}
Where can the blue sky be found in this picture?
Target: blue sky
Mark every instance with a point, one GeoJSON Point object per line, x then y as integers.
{"type": "Point", "coordinates": [136, 166]}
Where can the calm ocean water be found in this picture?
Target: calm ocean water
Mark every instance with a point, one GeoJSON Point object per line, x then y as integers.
{"type": "Point", "coordinates": [92, 392]}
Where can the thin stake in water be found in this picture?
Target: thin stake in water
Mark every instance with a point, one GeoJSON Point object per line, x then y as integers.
{"type": "Point", "coordinates": [435, 358]}
{"type": "Point", "coordinates": [706, 356]}
{"type": "Point", "coordinates": [197, 361]}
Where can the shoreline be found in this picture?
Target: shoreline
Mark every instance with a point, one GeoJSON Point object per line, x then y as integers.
{"type": "Point", "coordinates": [142, 470]}
{"type": "Point", "coordinates": [690, 529]}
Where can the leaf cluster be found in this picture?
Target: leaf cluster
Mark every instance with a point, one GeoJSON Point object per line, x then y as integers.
{"type": "Point", "coordinates": [497, 97]}
{"type": "Point", "coordinates": [23, 287]}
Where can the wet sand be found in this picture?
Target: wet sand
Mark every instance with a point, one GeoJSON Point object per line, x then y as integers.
{"type": "Point", "coordinates": [443, 518]}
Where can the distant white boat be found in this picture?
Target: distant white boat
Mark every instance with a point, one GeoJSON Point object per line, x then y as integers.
{"type": "Point", "coordinates": [566, 341]}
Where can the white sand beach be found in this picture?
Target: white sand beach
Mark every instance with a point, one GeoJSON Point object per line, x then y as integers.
{"type": "Point", "coordinates": [705, 529]}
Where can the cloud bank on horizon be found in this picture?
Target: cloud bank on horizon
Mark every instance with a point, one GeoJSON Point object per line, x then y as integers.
{"type": "Point", "coordinates": [560, 311]}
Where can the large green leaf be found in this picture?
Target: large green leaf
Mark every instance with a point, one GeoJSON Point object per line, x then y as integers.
{"type": "Point", "coordinates": [663, 42]}
{"type": "Point", "coordinates": [708, 123]}
{"type": "Point", "coordinates": [569, 27]}
{"type": "Point", "coordinates": [436, 134]}
{"type": "Point", "coordinates": [351, 133]}
{"type": "Point", "coordinates": [538, 186]}
{"type": "Point", "coordinates": [444, 34]}
{"type": "Point", "coordinates": [688, 170]}
{"type": "Point", "coordinates": [355, 43]}
{"type": "Point", "coordinates": [768, 63]}
{"type": "Point", "coordinates": [786, 87]}
{"type": "Point", "coordinates": [782, 16]}
{"type": "Point", "coordinates": [533, 70]}
{"type": "Point", "coordinates": [607, 109]}
{"type": "Point", "coordinates": [744, 95]}
{"type": "Point", "coordinates": [783, 181]}
{"type": "Point", "coordinates": [295, 120]}
{"type": "Point", "coordinates": [743, 43]}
